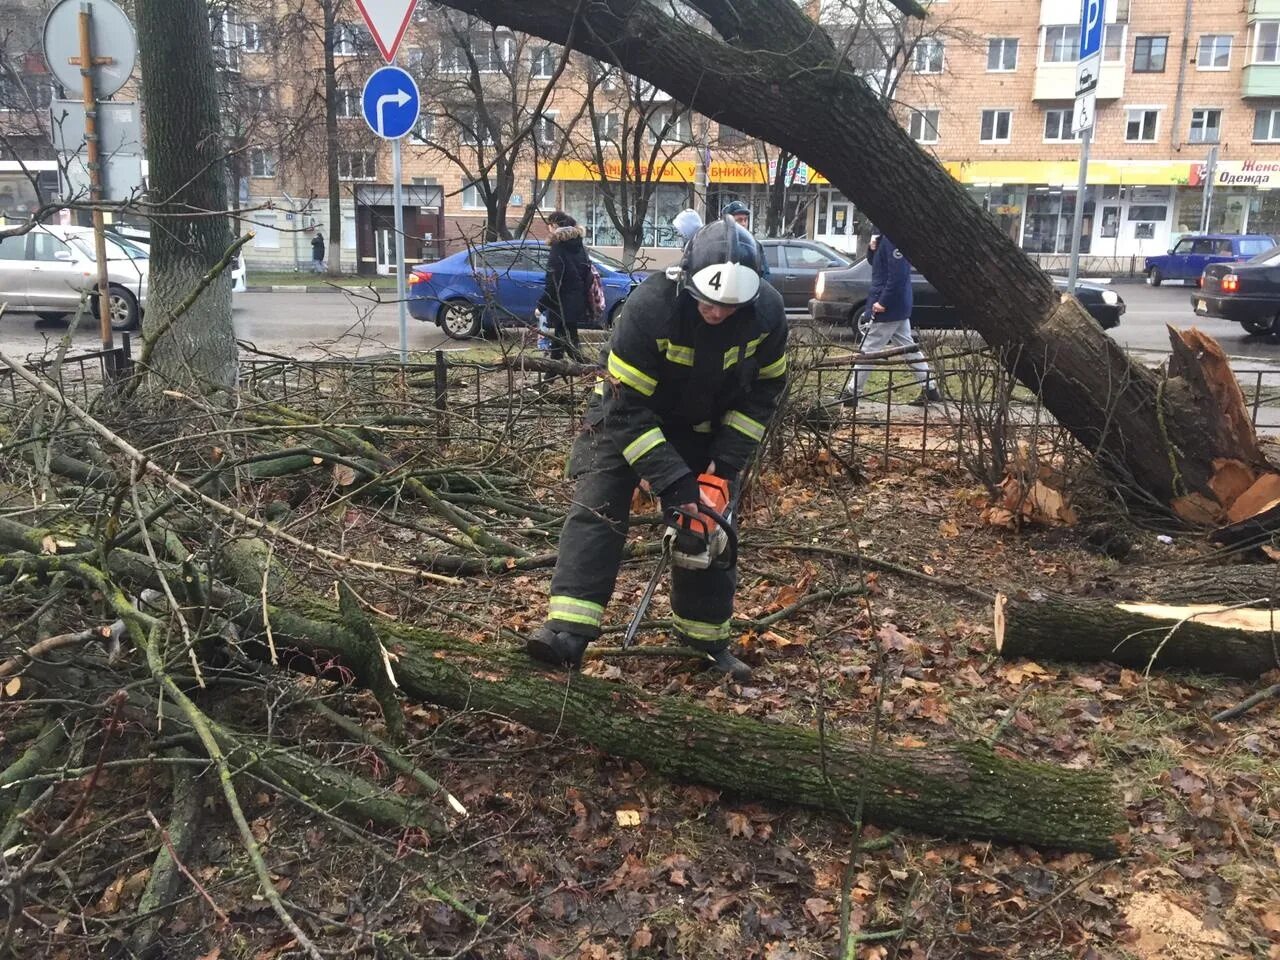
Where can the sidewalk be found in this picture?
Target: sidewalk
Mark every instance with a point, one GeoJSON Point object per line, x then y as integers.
{"type": "Point", "coordinates": [265, 281]}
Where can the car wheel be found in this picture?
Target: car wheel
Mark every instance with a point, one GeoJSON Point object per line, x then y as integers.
{"type": "Point", "coordinates": [460, 320]}
{"type": "Point", "coordinates": [1260, 327]}
{"type": "Point", "coordinates": [1156, 277]}
{"type": "Point", "coordinates": [612, 317]}
{"type": "Point", "coordinates": [123, 307]}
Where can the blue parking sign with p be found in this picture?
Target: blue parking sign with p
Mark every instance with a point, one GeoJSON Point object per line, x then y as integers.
{"type": "Point", "coordinates": [1091, 27]}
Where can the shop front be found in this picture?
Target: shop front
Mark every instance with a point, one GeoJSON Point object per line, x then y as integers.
{"type": "Point", "coordinates": [1246, 197]}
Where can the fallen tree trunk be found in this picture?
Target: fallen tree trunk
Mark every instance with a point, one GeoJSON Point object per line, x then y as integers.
{"type": "Point", "coordinates": [1208, 638]}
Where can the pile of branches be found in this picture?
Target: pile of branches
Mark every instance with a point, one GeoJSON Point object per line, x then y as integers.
{"type": "Point", "coordinates": [194, 588]}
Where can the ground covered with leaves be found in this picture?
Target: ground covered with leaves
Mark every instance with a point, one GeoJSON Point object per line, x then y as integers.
{"type": "Point", "coordinates": [865, 607]}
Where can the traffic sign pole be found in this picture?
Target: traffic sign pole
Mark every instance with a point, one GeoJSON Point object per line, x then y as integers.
{"type": "Point", "coordinates": [401, 292]}
{"type": "Point", "coordinates": [94, 156]}
{"type": "Point", "coordinates": [1074, 271]}
{"type": "Point", "coordinates": [1088, 70]}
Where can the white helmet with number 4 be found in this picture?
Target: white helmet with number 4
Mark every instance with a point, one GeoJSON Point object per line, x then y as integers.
{"type": "Point", "coordinates": [720, 265]}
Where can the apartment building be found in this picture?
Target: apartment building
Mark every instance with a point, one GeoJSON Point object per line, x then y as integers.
{"type": "Point", "coordinates": [1177, 79]}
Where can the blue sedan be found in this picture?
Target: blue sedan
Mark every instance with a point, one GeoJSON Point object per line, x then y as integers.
{"type": "Point", "coordinates": [498, 284]}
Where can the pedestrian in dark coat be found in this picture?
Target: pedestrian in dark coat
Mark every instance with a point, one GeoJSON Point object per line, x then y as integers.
{"type": "Point", "coordinates": [317, 253]}
{"type": "Point", "coordinates": [568, 286]}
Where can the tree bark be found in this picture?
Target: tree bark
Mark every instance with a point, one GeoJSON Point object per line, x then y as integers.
{"type": "Point", "coordinates": [778, 76]}
{"type": "Point", "coordinates": [1207, 638]}
{"type": "Point", "coordinates": [188, 193]}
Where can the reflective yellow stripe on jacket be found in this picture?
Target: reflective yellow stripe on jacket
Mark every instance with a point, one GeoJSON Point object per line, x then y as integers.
{"type": "Point", "coordinates": [744, 425]}
{"type": "Point", "coordinates": [633, 377]}
{"type": "Point", "coordinates": [642, 444]}
{"type": "Point", "coordinates": [573, 610]}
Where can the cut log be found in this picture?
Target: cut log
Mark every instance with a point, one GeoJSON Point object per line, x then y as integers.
{"type": "Point", "coordinates": [1208, 638]}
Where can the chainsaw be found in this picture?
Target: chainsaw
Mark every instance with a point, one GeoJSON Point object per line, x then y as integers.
{"type": "Point", "coordinates": [693, 540]}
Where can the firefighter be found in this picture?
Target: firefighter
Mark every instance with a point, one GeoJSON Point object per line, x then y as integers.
{"type": "Point", "coordinates": [696, 367]}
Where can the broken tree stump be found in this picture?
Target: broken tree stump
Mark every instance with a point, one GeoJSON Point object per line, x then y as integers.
{"type": "Point", "coordinates": [1207, 638]}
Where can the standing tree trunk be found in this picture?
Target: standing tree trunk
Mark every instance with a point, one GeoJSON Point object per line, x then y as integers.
{"type": "Point", "coordinates": [334, 251]}
{"type": "Point", "coordinates": [188, 188]}
{"type": "Point", "coordinates": [777, 76]}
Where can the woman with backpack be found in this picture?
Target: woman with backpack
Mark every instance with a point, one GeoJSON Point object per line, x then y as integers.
{"type": "Point", "coordinates": [568, 299]}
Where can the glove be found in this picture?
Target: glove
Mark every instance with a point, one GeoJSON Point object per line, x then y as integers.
{"type": "Point", "coordinates": [685, 490]}
{"type": "Point", "coordinates": [728, 473]}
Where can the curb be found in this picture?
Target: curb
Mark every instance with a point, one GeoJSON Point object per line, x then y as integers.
{"type": "Point", "coordinates": [303, 288]}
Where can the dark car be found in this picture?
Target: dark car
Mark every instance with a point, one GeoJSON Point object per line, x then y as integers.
{"type": "Point", "coordinates": [1245, 293]}
{"type": "Point", "coordinates": [794, 266]}
{"type": "Point", "coordinates": [841, 297]}
{"type": "Point", "coordinates": [1191, 254]}
{"type": "Point", "coordinates": [498, 284]}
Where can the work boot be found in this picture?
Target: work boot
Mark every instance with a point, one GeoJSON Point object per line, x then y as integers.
{"type": "Point", "coordinates": [927, 396]}
{"type": "Point", "coordinates": [560, 648]}
{"type": "Point", "coordinates": [722, 661]}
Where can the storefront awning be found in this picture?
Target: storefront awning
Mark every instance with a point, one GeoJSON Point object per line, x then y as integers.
{"type": "Point", "coordinates": [667, 171]}
{"type": "Point", "coordinates": [1067, 172]}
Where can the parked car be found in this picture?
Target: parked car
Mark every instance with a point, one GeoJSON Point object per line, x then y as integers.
{"type": "Point", "coordinates": [1245, 293]}
{"type": "Point", "coordinates": [142, 238]}
{"type": "Point", "coordinates": [841, 297]}
{"type": "Point", "coordinates": [498, 284]}
{"type": "Point", "coordinates": [1193, 252]}
{"type": "Point", "coordinates": [47, 269]}
{"type": "Point", "coordinates": [794, 266]}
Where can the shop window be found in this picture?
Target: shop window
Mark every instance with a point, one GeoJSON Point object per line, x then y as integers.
{"type": "Point", "coordinates": [1141, 125]}
{"type": "Point", "coordinates": [923, 126]}
{"type": "Point", "coordinates": [996, 126]}
{"type": "Point", "coordinates": [1149, 54]}
{"type": "Point", "coordinates": [1214, 52]}
{"type": "Point", "coordinates": [1157, 212]}
{"type": "Point", "coordinates": [1206, 126]}
{"type": "Point", "coordinates": [1002, 54]}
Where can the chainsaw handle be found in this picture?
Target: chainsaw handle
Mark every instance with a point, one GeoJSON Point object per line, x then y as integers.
{"type": "Point", "coordinates": [675, 514]}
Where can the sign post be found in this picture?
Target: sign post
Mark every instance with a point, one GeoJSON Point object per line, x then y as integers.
{"type": "Point", "coordinates": [1210, 174]}
{"type": "Point", "coordinates": [390, 104]}
{"type": "Point", "coordinates": [1087, 70]}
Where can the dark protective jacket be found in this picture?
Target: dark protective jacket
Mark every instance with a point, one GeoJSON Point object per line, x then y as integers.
{"type": "Point", "coordinates": [568, 277]}
{"type": "Point", "coordinates": [676, 383]}
{"type": "Point", "coordinates": [890, 283]}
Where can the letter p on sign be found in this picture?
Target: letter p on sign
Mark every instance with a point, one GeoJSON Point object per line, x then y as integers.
{"type": "Point", "coordinates": [1091, 15]}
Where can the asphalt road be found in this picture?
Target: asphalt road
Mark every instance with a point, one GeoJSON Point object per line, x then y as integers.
{"type": "Point", "coordinates": [1149, 309]}
{"type": "Point", "coordinates": [295, 324]}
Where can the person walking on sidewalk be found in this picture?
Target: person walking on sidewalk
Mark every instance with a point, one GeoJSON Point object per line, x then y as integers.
{"type": "Point", "coordinates": [317, 252]}
{"type": "Point", "coordinates": [567, 287]}
{"type": "Point", "coordinates": [889, 303]}
{"type": "Point", "coordinates": [696, 367]}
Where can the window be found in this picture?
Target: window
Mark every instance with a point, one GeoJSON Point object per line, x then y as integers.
{"type": "Point", "coordinates": [1214, 52]}
{"type": "Point", "coordinates": [1266, 126]}
{"type": "Point", "coordinates": [471, 198]}
{"type": "Point", "coordinates": [13, 248]}
{"type": "Point", "coordinates": [1149, 54]}
{"type": "Point", "coordinates": [257, 100]}
{"type": "Point", "coordinates": [45, 246]}
{"type": "Point", "coordinates": [25, 92]}
{"type": "Point", "coordinates": [1057, 126]}
{"type": "Point", "coordinates": [545, 129]}
{"type": "Point", "coordinates": [928, 56]}
{"type": "Point", "coordinates": [1113, 43]}
{"type": "Point", "coordinates": [262, 163]}
{"type": "Point", "coordinates": [469, 132]}
{"type": "Point", "coordinates": [996, 125]}
{"type": "Point", "coordinates": [1156, 212]}
{"type": "Point", "coordinates": [1141, 125]}
{"type": "Point", "coordinates": [923, 126]}
{"type": "Point", "coordinates": [1002, 54]}
{"type": "Point", "coordinates": [1266, 41]}
{"type": "Point", "coordinates": [357, 165]}
{"type": "Point", "coordinates": [347, 103]}
{"type": "Point", "coordinates": [606, 125]}
{"type": "Point", "coordinates": [663, 127]}
{"type": "Point", "coordinates": [1206, 126]}
{"type": "Point", "coordinates": [645, 92]}
{"type": "Point", "coordinates": [731, 137]}
{"type": "Point", "coordinates": [251, 37]}
{"type": "Point", "coordinates": [493, 53]}
{"type": "Point", "coordinates": [349, 39]}
{"type": "Point", "coordinates": [604, 75]}
{"type": "Point", "coordinates": [422, 132]}
{"type": "Point", "coordinates": [543, 63]}
{"type": "Point", "coordinates": [806, 258]}
{"type": "Point", "coordinates": [1061, 44]}
{"type": "Point", "coordinates": [225, 29]}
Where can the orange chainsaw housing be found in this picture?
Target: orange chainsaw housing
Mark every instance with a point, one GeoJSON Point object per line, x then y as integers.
{"type": "Point", "coordinates": [715, 491]}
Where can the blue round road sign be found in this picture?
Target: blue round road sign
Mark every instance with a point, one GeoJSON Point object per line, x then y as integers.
{"type": "Point", "coordinates": [390, 102]}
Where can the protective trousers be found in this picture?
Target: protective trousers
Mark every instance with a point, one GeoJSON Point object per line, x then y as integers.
{"type": "Point", "coordinates": [592, 542]}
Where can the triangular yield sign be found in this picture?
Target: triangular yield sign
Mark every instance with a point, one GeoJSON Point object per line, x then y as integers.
{"type": "Point", "coordinates": [387, 20]}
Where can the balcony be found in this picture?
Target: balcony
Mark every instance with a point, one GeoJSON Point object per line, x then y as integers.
{"type": "Point", "coordinates": [1261, 80]}
{"type": "Point", "coordinates": [1264, 10]}
{"type": "Point", "coordinates": [1057, 81]}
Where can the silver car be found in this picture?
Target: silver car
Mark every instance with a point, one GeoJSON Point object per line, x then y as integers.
{"type": "Point", "coordinates": [48, 269]}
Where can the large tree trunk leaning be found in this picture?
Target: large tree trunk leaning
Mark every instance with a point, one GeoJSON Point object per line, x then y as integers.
{"type": "Point", "coordinates": [775, 76]}
{"type": "Point", "coordinates": [1208, 638]}
{"type": "Point", "coordinates": [187, 179]}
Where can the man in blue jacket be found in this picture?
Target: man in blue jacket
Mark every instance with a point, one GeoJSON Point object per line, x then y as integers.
{"type": "Point", "coordinates": [889, 310]}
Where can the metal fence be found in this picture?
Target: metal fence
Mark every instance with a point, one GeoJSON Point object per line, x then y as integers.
{"type": "Point", "coordinates": [79, 376]}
